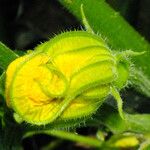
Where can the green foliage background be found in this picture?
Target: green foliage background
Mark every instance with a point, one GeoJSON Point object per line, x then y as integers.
{"type": "Point", "coordinates": [119, 36]}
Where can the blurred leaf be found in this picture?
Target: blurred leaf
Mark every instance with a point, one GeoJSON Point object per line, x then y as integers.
{"type": "Point", "coordinates": [145, 145]}
{"type": "Point", "coordinates": [2, 77]}
{"type": "Point", "coordinates": [139, 123]}
{"type": "Point", "coordinates": [140, 82]}
{"type": "Point", "coordinates": [10, 138]}
{"type": "Point", "coordinates": [1, 145]}
{"type": "Point", "coordinates": [6, 56]}
{"type": "Point", "coordinates": [120, 35]}
{"type": "Point", "coordinates": [10, 132]}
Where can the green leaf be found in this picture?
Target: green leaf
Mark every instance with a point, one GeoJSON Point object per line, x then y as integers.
{"type": "Point", "coordinates": [6, 56]}
{"type": "Point", "coordinates": [120, 35]}
{"type": "Point", "coordinates": [10, 137]}
{"type": "Point", "coordinates": [141, 82]}
{"type": "Point", "coordinates": [2, 77]}
{"type": "Point", "coordinates": [145, 145]}
{"type": "Point", "coordinates": [139, 123]}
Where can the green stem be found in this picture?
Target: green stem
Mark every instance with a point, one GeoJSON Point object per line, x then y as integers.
{"type": "Point", "coordinates": [117, 97]}
{"type": "Point", "coordinates": [85, 22]}
{"type": "Point", "coordinates": [68, 136]}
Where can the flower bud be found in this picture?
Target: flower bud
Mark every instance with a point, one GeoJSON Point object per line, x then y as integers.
{"type": "Point", "coordinates": [65, 78]}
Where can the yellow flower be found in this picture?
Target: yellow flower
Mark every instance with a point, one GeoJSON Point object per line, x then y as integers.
{"type": "Point", "coordinates": [65, 78]}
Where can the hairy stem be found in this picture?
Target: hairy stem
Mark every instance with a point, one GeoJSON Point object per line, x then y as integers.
{"type": "Point", "coordinates": [117, 97]}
